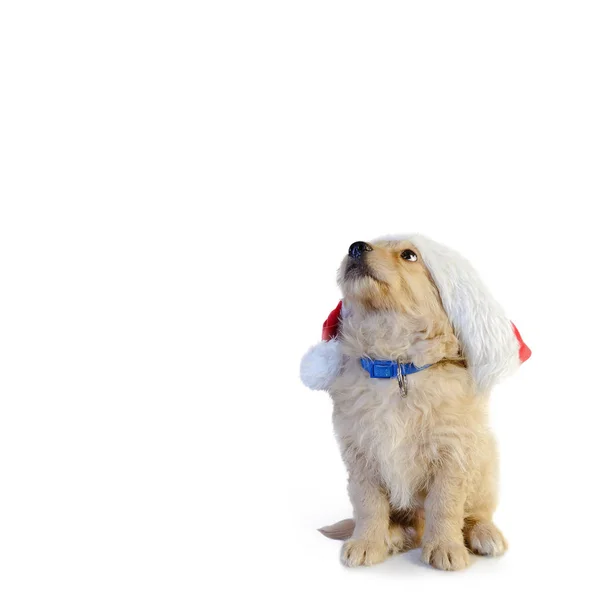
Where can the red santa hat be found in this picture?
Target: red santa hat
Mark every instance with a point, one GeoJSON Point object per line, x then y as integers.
{"type": "Point", "coordinates": [491, 344]}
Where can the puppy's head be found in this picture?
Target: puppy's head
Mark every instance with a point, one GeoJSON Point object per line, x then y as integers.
{"type": "Point", "coordinates": [389, 275]}
{"type": "Point", "coordinates": [439, 300]}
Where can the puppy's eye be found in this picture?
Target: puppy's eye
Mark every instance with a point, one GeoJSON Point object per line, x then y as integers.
{"type": "Point", "coordinates": [409, 255]}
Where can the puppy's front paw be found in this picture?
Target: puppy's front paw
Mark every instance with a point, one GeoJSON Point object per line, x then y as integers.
{"type": "Point", "coordinates": [448, 556]}
{"type": "Point", "coordinates": [363, 552]}
{"type": "Point", "coordinates": [486, 539]}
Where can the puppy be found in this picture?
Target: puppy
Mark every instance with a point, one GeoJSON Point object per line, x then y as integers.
{"type": "Point", "coordinates": [420, 456]}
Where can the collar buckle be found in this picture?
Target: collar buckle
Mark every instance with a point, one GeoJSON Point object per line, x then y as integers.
{"type": "Point", "coordinates": [388, 369]}
{"type": "Point", "coordinates": [380, 369]}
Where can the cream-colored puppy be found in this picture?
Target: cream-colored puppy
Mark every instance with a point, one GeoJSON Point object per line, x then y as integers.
{"type": "Point", "coordinates": [420, 456]}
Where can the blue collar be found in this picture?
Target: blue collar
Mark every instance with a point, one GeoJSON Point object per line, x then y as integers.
{"type": "Point", "coordinates": [389, 369]}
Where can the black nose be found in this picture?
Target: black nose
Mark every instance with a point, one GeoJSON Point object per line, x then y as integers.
{"type": "Point", "coordinates": [357, 249]}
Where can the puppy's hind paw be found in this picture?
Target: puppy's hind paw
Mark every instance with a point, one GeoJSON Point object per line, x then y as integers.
{"type": "Point", "coordinates": [447, 556]}
{"type": "Point", "coordinates": [486, 539]}
{"type": "Point", "coordinates": [363, 552]}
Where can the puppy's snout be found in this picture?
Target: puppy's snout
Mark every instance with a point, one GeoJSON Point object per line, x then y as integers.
{"type": "Point", "coordinates": [358, 249]}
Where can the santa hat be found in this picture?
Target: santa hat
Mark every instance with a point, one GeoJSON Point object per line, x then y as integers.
{"type": "Point", "coordinates": [490, 343]}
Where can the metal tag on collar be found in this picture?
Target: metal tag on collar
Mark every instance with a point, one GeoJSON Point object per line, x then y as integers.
{"type": "Point", "coordinates": [402, 381]}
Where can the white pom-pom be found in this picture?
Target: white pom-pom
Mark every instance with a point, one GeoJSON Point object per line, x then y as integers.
{"type": "Point", "coordinates": [321, 365]}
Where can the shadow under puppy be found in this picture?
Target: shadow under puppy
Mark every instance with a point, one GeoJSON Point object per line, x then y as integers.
{"type": "Point", "coordinates": [409, 359]}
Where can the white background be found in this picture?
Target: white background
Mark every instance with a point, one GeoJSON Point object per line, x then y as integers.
{"type": "Point", "coordinates": [179, 181]}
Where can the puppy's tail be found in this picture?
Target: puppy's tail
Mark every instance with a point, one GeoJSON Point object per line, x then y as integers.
{"type": "Point", "coordinates": [342, 530]}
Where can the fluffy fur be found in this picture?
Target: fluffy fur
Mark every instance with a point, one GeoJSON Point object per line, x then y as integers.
{"type": "Point", "coordinates": [422, 468]}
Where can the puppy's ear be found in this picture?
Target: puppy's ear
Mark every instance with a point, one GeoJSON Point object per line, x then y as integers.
{"type": "Point", "coordinates": [486, 336]}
